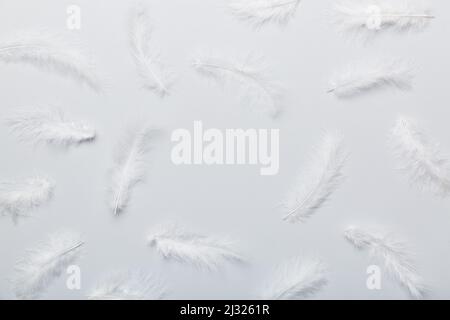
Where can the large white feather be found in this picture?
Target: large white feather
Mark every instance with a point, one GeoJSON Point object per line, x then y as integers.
{"type": "Point", "coordinates": [364, 76]}
{"type": "Point", "coordinates": [420, 157]}
{"type": "Point", "coordinates": [131, 285]}
{"type": "Point", "coordinates": [43, 264]}
{"type": "Point", "coordinates": [49, 126]}
{"type": "Point", "coordinates": [205, 252]}
{"type": "Point", "coordinates": [318, 182]}
{"type": "Point", "coordinates": [48, 52]}
{"type": "Point", "coordinates": [130, 165]}
{"type": "Point", "coordinates": [394, 255]}
{"type": "Point", "coordinates": [154, 74]}
{"type": "Point", "coordinates": [298, 278]}
{"type": "Point", "coordinates": [247, 74]}
{"type": "Point", "coordinates": [18, 198]}
{"type": "Point", "coordinates": [261, 12]}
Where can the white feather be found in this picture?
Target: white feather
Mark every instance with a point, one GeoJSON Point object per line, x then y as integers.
{"type": "Point", "coordinates": [43, 264]}
{"type": "Point", "coordinates": [205, 252]}
{"type": "Point", "coordinates": [298, 278]}
{"type": "Point", "coordinates": [130, 165]}
{"type": "Point", "coordinates": [318, 182]}
{"type": "Point", "coordinates": [154, 74]}
{"type": "Point", "coordinates": [129, 285]}
{"type": "Point", "coordinates": [368, 75]}
{"type": "Point", "coordinates": [420, 157]}
{"type": "Point", "coordinates": [49, 126]}
{"type": "Point", "coordinates": [249, 77]}
{"type": "Point", "coordinates": [261, 12]}
{"type": "Point", "coordinates": [392, 253]}
{"type": "Point", "coordinates": [49, 53]}
{"type": "Point", "coordinates": [18, 198]}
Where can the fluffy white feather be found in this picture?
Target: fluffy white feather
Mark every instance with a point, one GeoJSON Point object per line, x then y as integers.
{"type": "Point", "coordinates": [205, 252]}
{"type": "Point", "coordinates": [43, 264]}
{"type": "Point", "coordinates": [154, 74]}
{"type": "Point", "coordinates": [248, 75]}
{"type": "Point", "coordinates": [394, 255]}
{"type": "Point", "coordinates": [131, 285]}
{"type": "Point", "coordinates": [130, 165]}
{"type": "Point", "coordinates": [420, 157]}
{"type": "Point", "coordinates": [49, 126]}
{"type": "Point", "coordinates": [18, 198]}
{"type": "Point", "coordinates": [261, 12]}
{"type": "Point", "coordinates": [49, 53]}
{"type": "Point", "coordinates": [369, 17]}
{"type": "Point", "coordinates": [368, 75]}
{"type": "Point", "coordinates": [298, 278]}
{"type": "Point", "coordinates": [318, 182]}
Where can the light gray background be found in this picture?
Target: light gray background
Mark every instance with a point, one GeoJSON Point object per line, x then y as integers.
{"type": "Point", "coordinates": [229, 200]}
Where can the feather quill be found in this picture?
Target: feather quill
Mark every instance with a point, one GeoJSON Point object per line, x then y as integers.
{"type": "Point", "coordinates": [49, 53]}
{"type": "Point", "coordinates": [393, 253]}
{"type": "Point", "coordinates": [420, 157]}
{"type": "Point", "coordinates": [154, 74]}
{"type": "Point", "coordinates": [318, 183]}
{"type": "Point", "coordinates": [261, 12]}
{"type": "Point", "coordinates": [18, 198]}
{"type": "Point", "coordinates": [248, 74]}
{"type": "Point", "coordinates": [204, 252]}
{"type": "Point", "coordinates": [42, 265]}
{"type": "Point", "coordinates": [130, 165]}
{"type": "Point", "coordinates": [129, 285]}
{"type": "Point", "coordinates": [366, 76]}
{"type": "Point", "coordinates": [49, 126]}
{"type": "Point", "coordinates": [296, 279]}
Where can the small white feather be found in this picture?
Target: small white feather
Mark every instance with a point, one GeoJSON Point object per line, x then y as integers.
{"type": "Point", "coordinates": [298, 278]}
{"type": "Point", "coordinates": [318, 182]}
{"type": "Point", "coordinates": [394, 255]}
{"type": "Point", "coordinates": [420, 157]}
{"type": "Point", "coordinates": [364, 76]}
{"type": "Point", "coordinates": [18, 198]}
{"type": "Point", "coordinates": [131, 285]}
{"type": "Point", "coordinates": [42, 265]}
{"type": "Point", "coordinates": [204, 252]}
{"type": "Point", "coordinates": [261, 12]}
{"type": "Point", "coordinates": [248, 75]}
{"type": "Point", "coordinates": [49, 126]}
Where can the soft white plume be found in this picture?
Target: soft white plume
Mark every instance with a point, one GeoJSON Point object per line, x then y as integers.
{"type": "Point", "coordinates": [261, 12]}
{"type": "Point", "coordinates": [249, 77]}
{"type": "Point", "coordinates": [205, 252]}
{"type": "Point", "coordinates": [364, 76]}
{"type": "Point", "coordinates": [49, 126]}
{"type": "Point", "coordinates": [131, 285]}
{"type": "Point", "coordinates": [129, 167]}
{"type": "Point", "coordinates": [394, 255]}
{"type": "Point", "coordinates": [154, 74]}
{"type": "Point", "coordinates": [318, 182]}
{"type": "Point", "coordinates": [298, 278]}
{"type": "Point", "coordinates": [43, 264]}
{"type": "Point", "coordinates": [50, 53]}
{"type": "Point", "coordinates": [420, 157]}
{"type": "Point", "coordinates": [18, 198]}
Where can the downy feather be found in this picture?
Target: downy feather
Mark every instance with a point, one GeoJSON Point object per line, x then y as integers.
{"type": "Point", "coordinates": [247, 74]}
{"type": "Point", "coordinates": [318, 182]}
{"type": "Point", "coordinates": [261, 12]}
{"type": "Point", "coordinates": [205, 252]}
{"type": "Point", "coordinates": [49, 126]}
{"type": "Point", "coordinates": [420, 158]}
{"type": "Point", "coordinates": [18, 198]}
{"type": "Point", "coordinates": [43, 264]}
{"type": "Point", "coordinates": [296, 279]}
{"type": "Point", "coordinates": [394, 255]}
